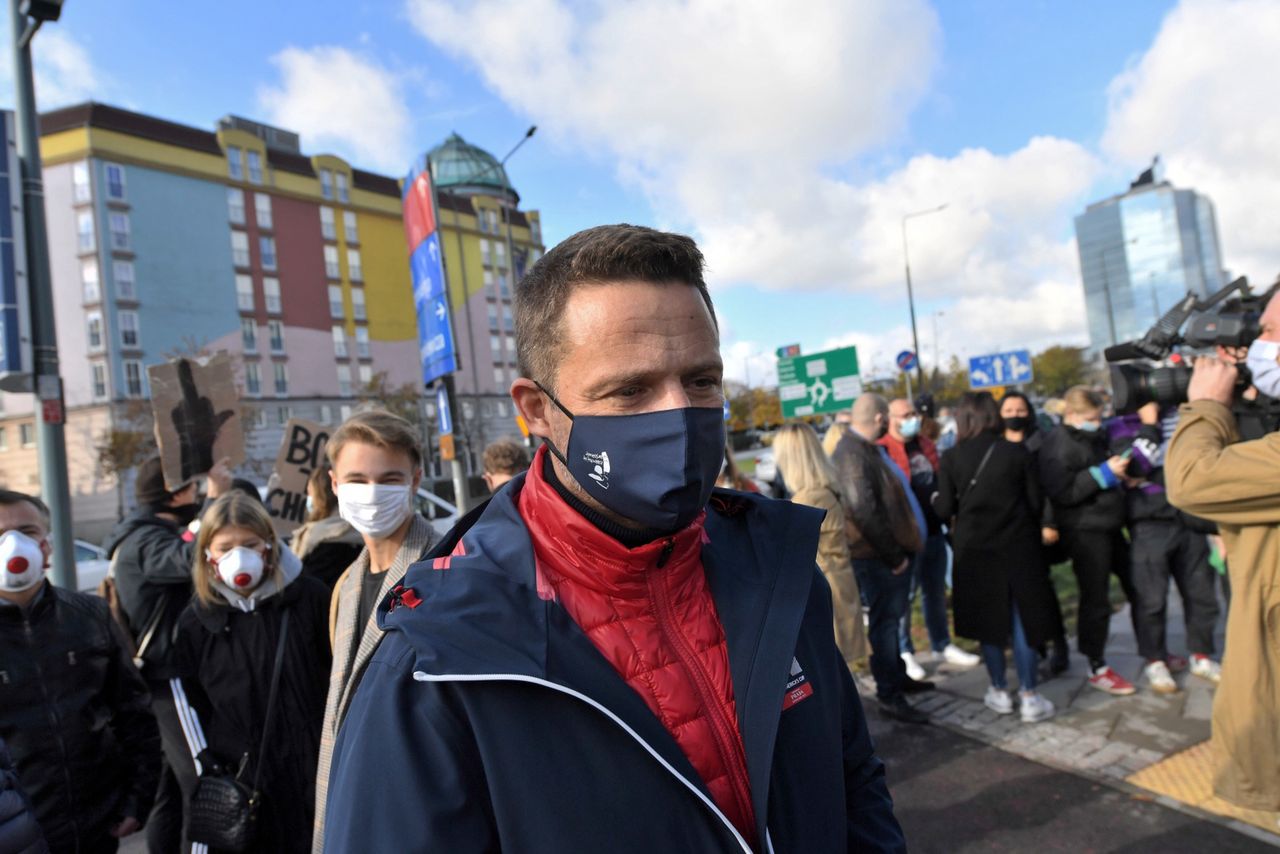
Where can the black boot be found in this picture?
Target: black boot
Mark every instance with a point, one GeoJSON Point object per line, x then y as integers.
{"type": "Point", "coordinates": [899, 709]}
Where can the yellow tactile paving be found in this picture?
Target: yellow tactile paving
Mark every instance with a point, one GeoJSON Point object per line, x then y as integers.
{"type": "Point", "coordinates": [1188, 777]}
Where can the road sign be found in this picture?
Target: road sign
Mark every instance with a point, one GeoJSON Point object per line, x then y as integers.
{"type": "Point", "coordinates": [726, 410]}
{"type": "Point", "coordinates": [906, 360]}
{"type": "Point", "coordinates": [15, 329]}
{"type": "Point", "coordinates": [444, 415]}
{"type": "Point", "coordinates": [820, 382]}
{"type": "Point", "coordinates": [789, 351]}
{"type": "Point", "coordinates": [1000, 369]}
{"type": "Point", "coordinates": [426, 266]}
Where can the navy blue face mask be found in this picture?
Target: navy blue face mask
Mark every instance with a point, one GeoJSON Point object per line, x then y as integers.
{"type": "Point", "coordinates": [654, 468]}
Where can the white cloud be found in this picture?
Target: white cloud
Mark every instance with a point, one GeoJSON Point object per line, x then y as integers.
{"type": "Point", "coordinates": [1202, 96]}
{"type": "Point", "coordinates": [65, 74]}
{"type": "Point", "coordinates": [337, 98]}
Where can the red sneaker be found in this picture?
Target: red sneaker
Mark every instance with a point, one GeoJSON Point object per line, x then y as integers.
{"type": "Point", "coordinates": [1177, 663]}
{"type": "Point", "coordinates": [1108, 680]}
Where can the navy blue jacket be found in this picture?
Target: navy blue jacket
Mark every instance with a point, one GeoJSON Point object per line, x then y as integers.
{"type": "Point", "coordinates": [488, 721]}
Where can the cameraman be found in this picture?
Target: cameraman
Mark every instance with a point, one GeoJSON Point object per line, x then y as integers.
{"type": "Point", "coordinates": [1209, 472]}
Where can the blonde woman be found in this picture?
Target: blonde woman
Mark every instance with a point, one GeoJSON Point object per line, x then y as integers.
{"type": "Point", "coordinates": [812, 479]}
{"type": "Point", "coordinates": [246, 582]}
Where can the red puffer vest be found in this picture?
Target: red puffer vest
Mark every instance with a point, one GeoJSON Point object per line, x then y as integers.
{"type": "Point", "coordinates": [649, 612]}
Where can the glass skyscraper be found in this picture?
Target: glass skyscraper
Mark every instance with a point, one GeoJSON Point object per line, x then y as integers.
{"type": "Point", "coordinates": [1140, 252]}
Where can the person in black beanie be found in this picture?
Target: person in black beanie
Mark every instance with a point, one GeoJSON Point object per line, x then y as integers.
{"type": "Point", "coordinates": [151, 565]}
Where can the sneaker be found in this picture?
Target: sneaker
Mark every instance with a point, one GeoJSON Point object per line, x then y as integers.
{"type": "Point", "coordinates": [899, 709]}
{"type": "Point", "coordinates": [1177, 663]}
{"type": "Point", "coordinates": [1036, 708]}
{"type": "Point", "coordinates": [1106, 679]}
{"type": "Point", "coordinates": [1206, 668]}
{"type": "Point", "coordinates": [1157, 673]}
{"type": "Point", "coordinates": [998, 701]}
{"type": "Point", "coordinates": [915, 686]}
{"type": "Point", "coordinates": [914, 670]}
{"type": "Point", "coordinates": [957, 656]}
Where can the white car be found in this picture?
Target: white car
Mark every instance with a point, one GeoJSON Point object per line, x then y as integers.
{"type": "Point", "coordinates": [766, 468]}
{"type": "Point", "coordinates": [91, 566]}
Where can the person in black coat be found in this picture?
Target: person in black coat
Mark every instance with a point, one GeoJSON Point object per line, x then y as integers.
{"type": "Point", "coordinates": [19, 831]}
{"type": "Point", "coordinates": [245, 583]}
{"type": "Point", "coordinates": [988, 487]}
{"type": "Point", "coordinates": [326, 544]}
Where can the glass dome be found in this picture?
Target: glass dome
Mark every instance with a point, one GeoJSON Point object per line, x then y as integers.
{"type": "Point", "coordinates": [462, 167]}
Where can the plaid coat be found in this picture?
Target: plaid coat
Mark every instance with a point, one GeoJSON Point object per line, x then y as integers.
{"type": "Point", "coordinates": [353, 646]}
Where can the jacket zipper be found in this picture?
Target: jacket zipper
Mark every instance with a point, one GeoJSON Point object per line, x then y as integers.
{"type": "Point", "coordinates": [53, 720]}
{"type": "Point", "coordinates": [720, 728]}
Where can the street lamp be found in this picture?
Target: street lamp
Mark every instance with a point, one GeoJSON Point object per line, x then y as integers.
{"type": "Point", "coordinates": [911, 301]}
{"type": "Point", "coordinates": [937, 363]}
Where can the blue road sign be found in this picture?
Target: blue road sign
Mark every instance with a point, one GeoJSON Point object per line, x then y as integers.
{"type": "Point", "coordinates": [906, 360]}
{"type": "Point", "coordinates": [1000, 369]}
{"type": "Point", "coordinates": [445, 417]}
{"type": "Point", "coordinates": [435, 332]}
{"type": "Point", "coordinates": [726, 409]}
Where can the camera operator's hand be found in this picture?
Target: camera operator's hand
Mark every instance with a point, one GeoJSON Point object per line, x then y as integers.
{"type": "Point", "coordinates": [1118, 464]}
{"type": "Point", "coordinates": [1213, 379]}
{"type": "Point", "coordinates": [1149, 413]}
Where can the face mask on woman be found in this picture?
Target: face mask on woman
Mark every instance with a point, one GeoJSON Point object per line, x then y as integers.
{"type": "Point", "coordinates": [240, 569]}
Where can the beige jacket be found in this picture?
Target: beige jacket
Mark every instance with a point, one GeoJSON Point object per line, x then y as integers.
{"type": "Point", "coordinates": [353, 646]}
{"type": "Point", "coordinates": [1210, 473]}
{"type": "Point", "coordinates": [836, 565]}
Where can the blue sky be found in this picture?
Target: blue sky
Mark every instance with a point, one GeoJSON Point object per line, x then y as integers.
{"type": "Point", "coordinates": [848, 119]}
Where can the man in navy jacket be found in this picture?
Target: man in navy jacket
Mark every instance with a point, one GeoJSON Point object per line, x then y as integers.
{"type": "Point", "coordinates": [607, 656]}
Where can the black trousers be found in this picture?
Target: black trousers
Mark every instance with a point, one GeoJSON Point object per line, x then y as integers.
{"type": "Point", "coordinates": [177, 776]}
{"type": "Point", "coordinates": [1164, 550]}
{"type": "Point", "coordinates": [1095, 557]}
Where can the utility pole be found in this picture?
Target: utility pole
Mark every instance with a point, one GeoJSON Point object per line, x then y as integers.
{"type": "Point", "coordinates": [50, 407]}
{"type": "Point", "coordinates": [911, 300]}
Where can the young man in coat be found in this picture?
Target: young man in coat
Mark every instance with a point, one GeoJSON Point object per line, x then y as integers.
{"type": "Point", "coordinates": [606, 657]}
{"type": "Point", "coordinates": [73, 710]}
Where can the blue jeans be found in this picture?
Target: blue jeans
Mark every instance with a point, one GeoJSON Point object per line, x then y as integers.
{"type": "Point", "coordinates": [929, 576]}
{"type": "Point", "coordinates": [1024, 658]}
{"type": "Point", "coordinates": [886, 598]}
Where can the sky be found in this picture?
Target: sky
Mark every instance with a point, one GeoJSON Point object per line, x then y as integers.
{"type": "Point", "coordinates": [789, 141]}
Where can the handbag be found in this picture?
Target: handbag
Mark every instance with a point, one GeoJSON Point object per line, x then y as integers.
{"type": "Point", "coordinates": [223, 811]}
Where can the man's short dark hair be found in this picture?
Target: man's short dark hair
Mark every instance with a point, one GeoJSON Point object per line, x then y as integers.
{"type": "Point", "coordinates": [505, 457]}
{"type": "Point", "coordinates": [976, 414]}
{"type": "Point", "coordinates": [9, 497]}
{"type": "Point", "coordinates": [604, 254]}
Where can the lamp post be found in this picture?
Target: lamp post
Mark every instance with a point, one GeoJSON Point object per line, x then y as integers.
{"type": "Point", "coordinates": [911, 301]}
{"type": "Point", "coordinates": [937, 363]}
{"type": "Point", "coordinates": [26, 17]}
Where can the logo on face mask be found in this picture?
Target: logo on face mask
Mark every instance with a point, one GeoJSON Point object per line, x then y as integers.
{"type": "Point", "coordinates": [599, 467]}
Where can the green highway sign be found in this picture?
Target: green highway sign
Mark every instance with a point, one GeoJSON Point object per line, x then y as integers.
{"type": "Point", "coordinates": [819, 382]}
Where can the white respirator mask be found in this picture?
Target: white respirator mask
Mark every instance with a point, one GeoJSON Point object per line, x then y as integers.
{"type": "Point", "coordinates": [21, 562]}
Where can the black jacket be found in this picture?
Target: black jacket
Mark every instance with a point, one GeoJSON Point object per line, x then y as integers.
{"type": "Point", "coordinates": [19, 831]}
{"type": "Point", "coordinates": [76, 716]}
{"type": "Point", "coordinates": [1071, 463]}
{"type": "Point", "coordinates": [881, 523]}
{"type": "Point", "coordinates": [225, 658]}
{"type": "Point", "coordinates": [152, 566]}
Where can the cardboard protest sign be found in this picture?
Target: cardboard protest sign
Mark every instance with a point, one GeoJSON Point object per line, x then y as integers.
{"type": "Point", "coordinates": [301, 452]}
{"type": "Point", "coordinates": [197, 416]}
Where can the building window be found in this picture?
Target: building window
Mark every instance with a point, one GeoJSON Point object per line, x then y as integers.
{"type": "Point", "coordinates": [488, 278]}
{"type": "Point", "coordinates": [331, 262]}
{"type": "Point", "coordinates": [354, 270]}
{"type": "Point", "coordinates": [495, 344]}
{"type": "Point", "coordinates": [535, 230]}
{"type": "Point", "coordinates": [89, 280]}
{"type": "Point", "coordinates": [344, 382]}
{"type": "Point", "coordinates": [271, 290]}
{"type": "Point", "coordinates": [133, 379]}
{"type": "Point", "coordinates": [481, 222]}
{"type": "Point", "coordinates": [339, 341]}
{"type": "Point", "coordinates": [281, 371]}
{"type": "Point", "coordinates": [239, 248]}
{"type": "Point", "coordinates": [499, 375]}
{"type": "Point", "coordinates": [244, 293]}
{"type": "Point", "coordinates": [326, 183]}
{"type": "Point", "coordinates": [326, 412]}
{"type": "Point", "coordinates": [84, 231]}
{"type": "Point", "coordinates": [27, 435]}
{"type": "Point", "coordinates": [357, 303]}
{"type": "Point", "coordinates": [493, 315]}
{"type": "Point", "coordinates": [275, 330]}
{"type": "Point", "coordinates": [235, 206]}
{"type": "Point", "coordinates": [99, 381]}
{"type": "Point", "coordinates": [500, 253]}
{"type": "Point", "coordinates": [501, 406]}
{"type": "Point", "coordinates": [4, 440]}
{"type": "Point", "coordinates": [511, 345]}
{"type": "Point", "coordinates": [249, 334]}
{"type": "Point", "coordinates": [504, 285]}
{"type": "Point", "coordinates": [119, 224]}
{"type": "Point", "coordinates": [115, 181]}
{"type": "Point", "coordinates": [255, 166]}
{"type": "Point", "coordinates": [252, 379]}
{"type": "Point", "coordinates": [122, 272]}
{"type": "Point", "coordinates": [366, 374]}
{"type": "Point", "coordinates": [328, 230]}
{"type": "Point", "coordinates": [282, 415]}
{"type": "Point", "coordinates": [349, 226]}
{"type": "Point", "coordinates": [267, 246]}
{"type": "Point", "coordinates": [486, 253]}
{"type": "Point", "coordinates": [507, 322]}
{"type": "Point", "coordinates": [362, 342]}
{"type": "Point", "coordinates": [94, 321]}
{"type": "Point", "coordinates": [335, 302]}
{"type": "Point", "coordinates": [340, 179]}
{"type": "Point", "coordinates": [81, 188]}
{"type": "Point", "coordinates": [262, 210]}
{"type": "Point", "coordinates": [128, 328]}
{"type": "Point", "coordinates": [493, 220]}
{"type": "Point", "coordinates": [235, 169]}
{"type": "Point", "coordinates": [345, 411]}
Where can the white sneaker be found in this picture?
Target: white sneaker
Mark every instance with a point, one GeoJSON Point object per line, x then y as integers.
{"type": "Point", "coordinates": [1035, 708]}
{"type": "Point", "coordinates": [998, 701]}
{"type": "Point", "coordinates": [914, 670]}
{"type": "Point", "coordinates": [957, 656]}
{"type": "Point", "coordinates": [1206, 668]}
{"type": "Point", "coordinates": [1158, 676]}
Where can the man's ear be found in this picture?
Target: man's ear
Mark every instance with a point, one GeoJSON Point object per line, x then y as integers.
{"type": "Point", "coordinates": [47, 550]}
{"type": "Point", "coordinates": [532, 405]}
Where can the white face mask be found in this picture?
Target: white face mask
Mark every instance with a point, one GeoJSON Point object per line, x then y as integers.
{"type": "Point", "coordinates": [240, 569]}
{"type": "Point", "coordinates": [21, 562]}
{"type": "Point", "coordinates": [374, 509]}
{"type": "Point", "coordinates": [1264, 367]}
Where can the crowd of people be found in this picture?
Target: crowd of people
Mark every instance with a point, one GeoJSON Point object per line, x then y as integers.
{"type": "Point", "coordinates": [608, 635]}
